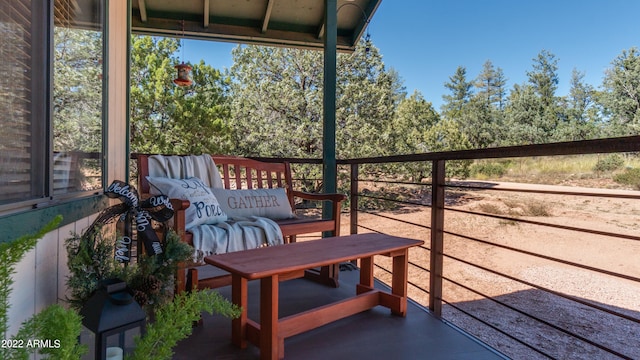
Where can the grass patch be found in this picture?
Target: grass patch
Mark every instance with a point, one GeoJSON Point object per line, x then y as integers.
{"type": "Point", "coordinates": [630, 176]}
{"type": "Point", "coordinates": [490, 208]}
{"type": "Point", "coordinates": [610, 162]}
{"type": "Point", "coordinates": [538, 208]}
{"type": "Point", "coordinates": [488, 169]}
{"type": "Point", "coordinates": [516, 208]}
{"type": "Point", "coordinates": [555, 170]}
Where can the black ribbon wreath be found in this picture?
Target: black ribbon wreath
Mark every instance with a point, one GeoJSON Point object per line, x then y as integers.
{"type": "Point", "coordinates": [156, 208]}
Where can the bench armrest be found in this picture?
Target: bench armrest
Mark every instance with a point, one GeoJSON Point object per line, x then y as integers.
{"type": "Point", "coordinates": [179, 204]}
{"type": "Point", "coordinates": [179, 219]}
{"type": "Point", "coordinates": [336, 204]}
{"type": "Point", "coordinates": [336, 198]}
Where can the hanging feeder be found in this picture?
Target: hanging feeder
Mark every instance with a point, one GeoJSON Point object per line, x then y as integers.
{"type": "Point", "coordinates": [183, 75]}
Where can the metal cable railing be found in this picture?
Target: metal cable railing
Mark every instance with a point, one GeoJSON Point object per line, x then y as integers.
{"type": "Point", "coordinates": [433, 265]}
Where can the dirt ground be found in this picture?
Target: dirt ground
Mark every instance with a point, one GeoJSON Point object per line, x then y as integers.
{"type": "Point", "coordinates": [548, 287]}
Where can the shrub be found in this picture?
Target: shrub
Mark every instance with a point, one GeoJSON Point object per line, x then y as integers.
{"type": "Point", "coordinates": [537, 209]}
{"type": "Point", "coordinates": [490, 169]}
{"type": "Point", "coordinates": [491, 209]}
{"type": "Point", "coordinates": [609, 163]}
{"type": "Point", "coordinates": [630, 177]}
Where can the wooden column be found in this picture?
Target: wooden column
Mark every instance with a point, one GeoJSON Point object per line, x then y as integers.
{"type": "Point", "coordinates": [353, 207]}
{"type": "Point", "coordinates": [437, 237]}
{"type": "Point", "coordinates": [329, 167]}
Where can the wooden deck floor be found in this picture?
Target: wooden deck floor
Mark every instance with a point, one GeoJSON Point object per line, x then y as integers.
{"type": "Point", "coordinates": [373, 334]}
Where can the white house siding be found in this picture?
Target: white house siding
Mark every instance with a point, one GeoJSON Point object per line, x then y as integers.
{"type": "Point", "coordinates": [40, 277]}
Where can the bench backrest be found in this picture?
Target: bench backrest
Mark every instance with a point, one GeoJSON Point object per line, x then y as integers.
{"type": "Point", "coordinates": [236, 172]}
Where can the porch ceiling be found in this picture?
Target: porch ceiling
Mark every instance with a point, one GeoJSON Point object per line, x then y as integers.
{"type": "Point", "coordinates": [292, 23]}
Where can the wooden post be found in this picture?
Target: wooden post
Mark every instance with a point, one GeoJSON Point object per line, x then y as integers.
{"type": "Point", "coordinates": [353, 207]}
{"type": "Point", "coordinates": [437, 236]}
{"type": "Point", "coordinates": [329, 169]}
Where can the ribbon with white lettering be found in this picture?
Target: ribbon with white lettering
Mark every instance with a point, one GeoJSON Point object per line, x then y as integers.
{"type": "Point", "coordinates": [156, 208]}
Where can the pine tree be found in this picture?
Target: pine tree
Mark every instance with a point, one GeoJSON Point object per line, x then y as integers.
{"type": "Point", "coordinates": [491, 85]}
{"type": "Point", "coordinates": [544, 77]}
{"type": "Point", "coordinates": [621, 96]}
{"type": "Point", "coordinates": [166, 118]}
{"type": "Point", "coordinates": [461, 92]}
{"type": "Point", "coordinates": [580, 120]}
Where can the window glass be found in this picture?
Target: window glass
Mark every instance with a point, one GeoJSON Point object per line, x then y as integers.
{"type": "Point", "coordinates": [20, 150]}
{"type": "Point", "coordinates": [51, 99]}
{"type": "Point", "coordinates": [77, 95]}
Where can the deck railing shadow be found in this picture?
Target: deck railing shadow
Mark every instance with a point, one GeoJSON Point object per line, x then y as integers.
{"type": "Point", "coordinates": [536, 324]}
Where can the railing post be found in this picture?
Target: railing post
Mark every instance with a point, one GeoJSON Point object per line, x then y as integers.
{"type": "Point", "coordinates": [353, 207]}
{"type": "Point", "coordinates": [437, 237]}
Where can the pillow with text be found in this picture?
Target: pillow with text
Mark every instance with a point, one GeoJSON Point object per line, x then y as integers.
{"type": "Point", "coordinates": [269, 203]}
{"type": "Point", "coordinates": [204, 208]}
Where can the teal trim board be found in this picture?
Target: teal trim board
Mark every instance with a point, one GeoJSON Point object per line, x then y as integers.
{"type": "Point", "coordinates": [28, 222]}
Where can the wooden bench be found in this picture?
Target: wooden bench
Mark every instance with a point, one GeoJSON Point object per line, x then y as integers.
{"type": "Point", "coordinates": [244, 173]}
{"type": "Point", "coordinates": [268, 265]}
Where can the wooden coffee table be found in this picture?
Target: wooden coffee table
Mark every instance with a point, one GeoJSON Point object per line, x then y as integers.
{"type": "Point", "coordinates": [276, 263]}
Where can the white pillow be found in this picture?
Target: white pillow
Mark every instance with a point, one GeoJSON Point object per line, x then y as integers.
{"type": "Point", "coordinates": [204, 208]}
{"type": "Point", "coordinates": [269, 203]}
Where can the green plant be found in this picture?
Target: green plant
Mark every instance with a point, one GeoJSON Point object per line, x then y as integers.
{"type": "Point", "coordinates": [488, 169]}
{"type": "Point", "coordinates": [152, 278]}
{"type": "Point", "coordinates": [609, 163]}
{"type": "Point", "coordinates": [10, 255]}
{"type": "Point", "coordinates": [629, 177]}
{"type": "Point", "coordinates": [174, 321]}
{"type": "Point", "coordinates": [59, 328]}
{"type": "Point", "coordinates": [91, 259]}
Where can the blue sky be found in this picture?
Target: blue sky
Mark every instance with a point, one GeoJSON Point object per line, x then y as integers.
{"type": "Point", "coordinates": [426, 40]}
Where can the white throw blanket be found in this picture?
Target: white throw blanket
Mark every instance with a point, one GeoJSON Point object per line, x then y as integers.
{"type": "Point", "coordinates": [184, 166]}
{"type": "Point", "coordinates": [235, 235]}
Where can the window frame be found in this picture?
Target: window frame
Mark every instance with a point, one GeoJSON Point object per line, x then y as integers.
{"type": "Point", "coordinates": [42, 124]}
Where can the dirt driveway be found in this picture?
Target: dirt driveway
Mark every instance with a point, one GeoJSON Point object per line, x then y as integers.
{"type": "Point", "coordinates": [545, 287]}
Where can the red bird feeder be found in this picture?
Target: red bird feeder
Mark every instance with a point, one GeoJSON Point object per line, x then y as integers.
{"type": "Point", "coordinates": [183, 75]}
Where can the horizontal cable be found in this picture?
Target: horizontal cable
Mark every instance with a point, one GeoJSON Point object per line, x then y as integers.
{"type": "Point", "coordinates": [393, 200]}
{"type": "Point", "coordinates": [552, 192]}
{"type": "Point", "coordinates": [566, 262]}
{"type": "Point", "coordinates": [408, 282]}
{"type": "Point", "coordinates": [395, 182]}
{"type": "Point", "coordinates": [383, 269]}
{"type": "Point", "coordinates": [556, 293]}
{"type": "Point", "coordinates": [370, 229]}
{"type": "Point", "coordinates": [420, 267]}
{"type": "Point", "coordinates": [392, 218]}
{"type": "Point", "coordinates": [557, 226]}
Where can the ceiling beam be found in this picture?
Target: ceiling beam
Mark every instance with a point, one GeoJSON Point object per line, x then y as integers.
{"type": "Point", "coordinates": [267, 16]}
{"type": "Point", "coordinates": [368, 14]}
{"type": "Point", "coordinates": [143, 10]}
{"type": "Point", "coordinates": [232, 33]}
{"type": "Point", "coordinates": [206, 13]}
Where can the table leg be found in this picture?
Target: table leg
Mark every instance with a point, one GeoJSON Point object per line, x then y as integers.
{"type": "Point", "coordinates": [239, 297]}
{"type": "Point", "coordinates": [366, 271]}
{"type": "Point", "coordinates": [269, 340]}
{"type": "Point", "coordinates": [399, 281]}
